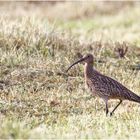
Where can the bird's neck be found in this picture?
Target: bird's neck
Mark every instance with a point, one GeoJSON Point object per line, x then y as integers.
{"type": "Point", "coordinates": [88, 70]}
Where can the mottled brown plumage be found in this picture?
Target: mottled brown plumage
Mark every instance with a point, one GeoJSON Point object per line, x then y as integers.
{"type": "Point", "coordinates": [104, 86]}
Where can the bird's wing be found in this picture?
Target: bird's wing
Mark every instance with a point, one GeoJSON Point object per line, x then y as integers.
{"type": "Point", "coordinates": [106, 86]}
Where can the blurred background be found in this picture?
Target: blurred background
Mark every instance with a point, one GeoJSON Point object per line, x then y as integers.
{"type": "Point", "coordinates": [65, 10]}
{"type": "Point", "coordinates": [103, 20]}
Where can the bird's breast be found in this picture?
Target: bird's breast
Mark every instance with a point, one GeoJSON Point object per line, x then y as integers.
{"type": "Point", "coordinates": [91, 86]}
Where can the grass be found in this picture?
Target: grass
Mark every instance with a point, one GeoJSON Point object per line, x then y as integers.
{"type": "Point", "coordinates": [38, 99]}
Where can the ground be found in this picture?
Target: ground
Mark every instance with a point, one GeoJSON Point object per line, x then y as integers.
{"type": "Point", "coordinates": [38, 41]}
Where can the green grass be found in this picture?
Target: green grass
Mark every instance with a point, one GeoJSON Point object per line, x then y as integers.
{"type": "Point", "coordinates": [38, 99]}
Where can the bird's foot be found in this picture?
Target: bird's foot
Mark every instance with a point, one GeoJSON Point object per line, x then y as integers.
{"type": "Point", "coordinates": [111, 113]}
{"type": "Point", "coordinates": [107, 114]}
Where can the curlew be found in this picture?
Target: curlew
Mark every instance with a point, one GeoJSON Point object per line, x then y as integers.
{"type": "Point", "coordinates": [104, 86]}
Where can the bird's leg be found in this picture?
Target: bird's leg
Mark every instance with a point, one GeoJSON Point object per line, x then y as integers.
{"type": "Point", "coordinates": [106, 105]}
{"type": "Point", "coordinates": [115, 107]}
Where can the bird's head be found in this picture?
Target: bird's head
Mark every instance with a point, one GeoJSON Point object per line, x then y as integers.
{"type": "Point", "coordinates": [88, 58]}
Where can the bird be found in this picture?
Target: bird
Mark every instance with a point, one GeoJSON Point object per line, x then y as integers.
{"type": "Point", "coordinates": [104, 86]}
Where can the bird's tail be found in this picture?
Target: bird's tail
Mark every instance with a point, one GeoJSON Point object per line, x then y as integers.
{"type": "Point", "coordinates": [135, 98]}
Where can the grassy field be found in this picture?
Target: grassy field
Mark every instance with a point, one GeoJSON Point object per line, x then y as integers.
{"type": "Point", "coordinates": [38, 42]}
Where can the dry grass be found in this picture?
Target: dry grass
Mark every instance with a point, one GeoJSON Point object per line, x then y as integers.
{"type": "Point", "coordinates": [39, 100]}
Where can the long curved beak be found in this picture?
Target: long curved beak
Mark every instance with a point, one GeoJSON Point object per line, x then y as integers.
{"type": "Point", "coordinates": [82, 59]}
